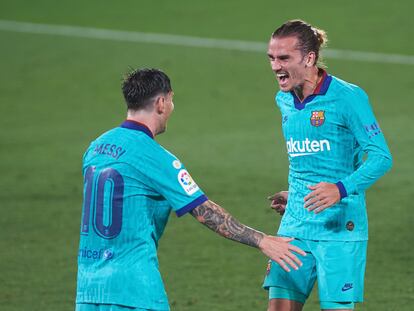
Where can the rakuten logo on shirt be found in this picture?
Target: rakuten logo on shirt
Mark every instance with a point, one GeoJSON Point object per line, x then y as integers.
{"type": "Point", "coordinates": [299, 148]}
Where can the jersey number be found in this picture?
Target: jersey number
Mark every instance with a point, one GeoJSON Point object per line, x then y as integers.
{"type": "Point", "coordinates": [104, 196]}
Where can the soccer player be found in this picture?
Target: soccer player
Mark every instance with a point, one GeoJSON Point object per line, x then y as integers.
{"type": "Point", "coordinates": [131, 184]}
{"type": "Point", "coordinates": [336, 150]}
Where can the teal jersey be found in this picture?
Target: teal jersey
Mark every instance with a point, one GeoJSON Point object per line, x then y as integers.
{"type": "Point", "coordinates": [333, 136]}
{"type": "Point", "coordinates": [131, 184]}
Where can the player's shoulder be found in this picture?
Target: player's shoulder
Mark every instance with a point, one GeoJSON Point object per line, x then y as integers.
{"type": "Point", "coordinates": [143, 148]}
{"type": "Point", "coordinates": [130, 143]}
{"type": "Point", "coordinates": [346, 89]}
{"type": "Point", "coordinates": [98, 140]}
{"type": "Point", "coordinates": [283, 99]}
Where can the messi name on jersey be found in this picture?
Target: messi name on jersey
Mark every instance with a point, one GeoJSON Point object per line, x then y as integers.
{"type": "Point", "coordinates": [111, 150]}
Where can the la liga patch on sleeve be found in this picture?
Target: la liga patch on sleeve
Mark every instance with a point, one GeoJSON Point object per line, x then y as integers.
{"type": "Point", "coordinates": [187, 182]}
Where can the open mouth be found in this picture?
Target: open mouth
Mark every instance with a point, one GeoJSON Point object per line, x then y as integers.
{"type": "Point", "coordinates": [282, 77]}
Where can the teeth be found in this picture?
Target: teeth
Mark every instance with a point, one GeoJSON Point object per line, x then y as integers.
{"type": "Point", "coordinates": [282, 75]}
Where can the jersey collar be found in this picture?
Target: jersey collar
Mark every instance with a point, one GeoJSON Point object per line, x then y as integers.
{"type": "Point", "coordinates": [320, 89]}
{"type": "Point", "coordinates": [137, 126]}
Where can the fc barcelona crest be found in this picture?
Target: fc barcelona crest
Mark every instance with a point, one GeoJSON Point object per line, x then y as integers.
{"type": "Point", "coordinates": [269, 266]}
{"type": "Point", "coordinates": [317, 118]}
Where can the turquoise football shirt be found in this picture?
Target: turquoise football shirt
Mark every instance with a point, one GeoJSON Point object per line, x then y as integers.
{"type": "Point", "coordinates": [327, 137]}
{"type": "Point", "coordinates": [131, 184]}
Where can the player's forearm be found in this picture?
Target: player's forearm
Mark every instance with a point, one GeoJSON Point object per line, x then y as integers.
{"type": "Point", "coordinates": [375, 166]}
{"type": "Point", "coordinates": [219, 220]}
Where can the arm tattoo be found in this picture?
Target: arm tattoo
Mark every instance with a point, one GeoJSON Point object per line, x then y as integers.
{"type": "Point", "coordinates": [219, 220]}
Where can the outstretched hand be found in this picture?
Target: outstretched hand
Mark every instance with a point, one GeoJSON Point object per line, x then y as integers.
{"type": "Point", "coordinates": [278, 201]}
{"type": "Point", "coordinates": [323, 196]}
{"type": "Point", "coordinates": [281, 251]}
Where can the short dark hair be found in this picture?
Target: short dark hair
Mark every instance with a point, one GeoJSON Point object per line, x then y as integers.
{"type": "Point", "coordinates": [310, 39]}
{"type": "Point", "coordinates": [140, 86]}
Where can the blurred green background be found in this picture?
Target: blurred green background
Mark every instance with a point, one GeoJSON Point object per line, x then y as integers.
{"type": "Point", "coordinates": [57, 93]}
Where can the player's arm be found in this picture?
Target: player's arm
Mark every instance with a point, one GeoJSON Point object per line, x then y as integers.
{"type": "Point", "coordinates": [363, 124]}
{"type": "Point", "coordinates": [361, 121]}
{"type": "Point", "coordinates": [220, 221]}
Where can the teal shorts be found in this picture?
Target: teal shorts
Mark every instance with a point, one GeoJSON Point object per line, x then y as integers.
{"type": "Point", "coordinates": [105, 307]}
{"type": "Point", "coordinates": [338, 266]}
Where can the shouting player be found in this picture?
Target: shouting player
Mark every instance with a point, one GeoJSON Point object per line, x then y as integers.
{"type": "Point", "coordinates": [328, 126]}
{"type": "Point", "coordinates": [131, 183]}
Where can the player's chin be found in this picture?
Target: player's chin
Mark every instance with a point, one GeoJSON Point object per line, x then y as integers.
{"type": "Point", "coordinates": [285, 87]}
{"type": "Point", "coordinates": [163, 129]}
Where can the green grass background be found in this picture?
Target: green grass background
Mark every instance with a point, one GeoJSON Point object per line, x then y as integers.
{"type": "Point", "coordinates": [59, 93]}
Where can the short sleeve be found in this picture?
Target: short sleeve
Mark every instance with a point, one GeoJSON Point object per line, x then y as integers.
{"type": "Point", "coordinates": [169, 177]}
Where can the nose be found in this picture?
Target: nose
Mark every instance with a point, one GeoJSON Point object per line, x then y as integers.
{"type": "Point", "coordinates": [275, 65]}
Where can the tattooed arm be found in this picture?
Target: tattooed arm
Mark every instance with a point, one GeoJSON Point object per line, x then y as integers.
{"type": "Point", "coordinates": [219, 220]}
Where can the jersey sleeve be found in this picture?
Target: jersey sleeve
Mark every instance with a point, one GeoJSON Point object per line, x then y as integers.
{"type": "Point", "coordinates": [168, 176]}
{"type": "Point", "coordinates": [361, 121]}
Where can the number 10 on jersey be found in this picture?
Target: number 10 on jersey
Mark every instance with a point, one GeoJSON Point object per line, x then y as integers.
{"type": "Point", "coordinates": [103, 196]}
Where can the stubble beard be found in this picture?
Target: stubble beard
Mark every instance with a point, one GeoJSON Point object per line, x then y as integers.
{"type": "Point", "coordinates": [298, 89]}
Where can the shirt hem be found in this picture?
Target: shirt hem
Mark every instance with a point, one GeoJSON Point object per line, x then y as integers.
{"type": "Point", "coordinates": [85, 299]}
{"type": "Point", "coordinates": [355, 238]}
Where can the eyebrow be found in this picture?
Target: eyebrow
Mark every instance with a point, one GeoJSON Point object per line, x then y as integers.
{"type": "Point", "coordinates": [284, 56]}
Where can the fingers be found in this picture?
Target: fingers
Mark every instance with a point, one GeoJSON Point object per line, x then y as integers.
{"type": "Point", "coordinates": [285, 261]}
{"type": "Point", "coordinates": [290, 262]}
{"type": "Point", "coordinates": [323, 207]}
{"type": "Point", "coordinates": [296, 250]}
{"type": "Point", "coordinates": [281, 251]}
{"type": "Point", "coordinates": [311, 200]}
{"type": "Point", "coordinates": [278, 200]}
{"type": "Point", "coordinates": [278, 203]}
{"type": "Point", "coordinates": [274, 203]}
{"type": "Point", "coordinates": [310, 195]}
{"type": "Point", "coordinates": [294, 258]}
{"type": "Point", "coordinates": [317, 204]}
{"type": "Point", "coordinates": [314, 187]}
{"type": "Point", "coordinates": [316, 192]}
{"type": "Point", "coordinates": [279, 196]}
{"type": "Point", "coordinates": [280, 208]}
{"type": "Point", "coordinates": [324, 196]}
{"type": "Point", "coordinates": [283, 265]}
{"type": "Point", "coordinates": [288, 259]}
{"type": "Point", "coordinates": [272, 197]}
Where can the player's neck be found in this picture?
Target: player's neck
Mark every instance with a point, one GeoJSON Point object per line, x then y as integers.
{"type": "Point", "coordinates": [312, 79]}
{"type": "Point", "coordinates": [145, 119]}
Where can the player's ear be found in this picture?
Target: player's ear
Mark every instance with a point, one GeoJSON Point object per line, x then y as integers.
{"type": "Point", "coordinates": [160, 104]}
{"type": "Point", "coordinates": [310, 59]}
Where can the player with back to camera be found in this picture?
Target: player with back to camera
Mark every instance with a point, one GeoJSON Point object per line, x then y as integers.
{"type": "Point", "coordinates": [328, 126]}
{"type": "Point", "coordinates": [131, 183]}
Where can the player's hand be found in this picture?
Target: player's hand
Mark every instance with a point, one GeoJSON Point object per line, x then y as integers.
{"type": "Point", "coordinates": [281, 251]}
{"type": "Point", "coordinates": [323, 196]}
{"type": "Point", "coordinates": [278, 201]}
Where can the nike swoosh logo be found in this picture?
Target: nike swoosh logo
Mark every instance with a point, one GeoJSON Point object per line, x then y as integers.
{"type": "Point", "coordinates": [344, 289]}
